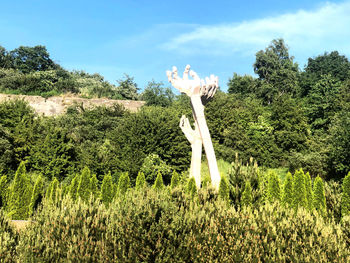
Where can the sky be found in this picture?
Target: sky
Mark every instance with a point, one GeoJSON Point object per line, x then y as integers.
{"type": "Point", "coordinates": [145, 38]}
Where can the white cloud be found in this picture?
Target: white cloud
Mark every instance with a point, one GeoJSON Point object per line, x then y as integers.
{"type": "Point", "coordinates": [325, 28]}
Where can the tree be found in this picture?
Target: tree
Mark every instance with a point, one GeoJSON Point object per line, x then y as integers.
{"type": "Point", "coordinates": [191, 188]}
{"type": "Point", "coordinates": [73, 188]}
{"type": "Point", "coordinates": [84, 190]}
{"type": "Point", "coordinates": [123, 184]}
{"type": "Point", "coordinates": [175, 180]}
{"type": "Point", "coordinates": [345, 200]}
{"type": "Point", "coordinates": [5, 61]}
{"type": "Point", "coordinates": [277, 71]}
{"type": "Point", "coordinates": [319, 198]}
{"type": "Point", "coordinates": [247, 198]}
{"type": "Point", "coordinates": [273, 188]}
{"type": "Point", "coordinates": [20, 196]}
{"type": "Point", "coordinates": [28, 59]}
{"type": "Point", "coordinates": [157, 95]}
{"type": "Point", "coordinates": [158, 183]}
{"type": "Point", "coordinates": [140, 181]}
{"type": "Point", "coordinates": [94, 186]}
{"type": "Point", "coordinates": [37, 195]}
{"type": "Point", "coordinates": [299, 190]}
{"type": "Point", "coordinates": [308, 189]}
{"type": "Point", "coordinates": [287, 197]}
{"type": "Point", "coordinates": [243, 85]}
{"type": "Point", "coordinates": [107, 193]}
{"type": "Point", "coordinates": [127, 88]}
{"type": "Point", "coordinates": [224, 191]}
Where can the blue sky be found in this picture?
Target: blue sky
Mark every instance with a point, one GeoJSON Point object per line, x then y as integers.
{"type": "Point", "coordinates": [145, 38]}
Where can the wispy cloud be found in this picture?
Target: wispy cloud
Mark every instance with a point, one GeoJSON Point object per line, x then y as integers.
{"type": "Point", "coordinates": [325, 28]}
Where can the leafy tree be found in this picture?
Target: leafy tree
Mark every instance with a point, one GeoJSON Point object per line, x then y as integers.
{"type": "Point", "coordinates": [155, 94]}
{"type": "Point", "coordinates": [127, 88]}
{"type": "Point", "coordinates": [191, 187]}
{"type": "Point", "coordinates": [158, 183]}
{"type": "Point", "coordinates": [20, 195]}
{"type": "Point", "coordinates": [299, 190]}
{"type": "Point", "coordinates": [7, 152]}
{"type": "Point", "coordinates": [224, 191]}
{"type": "Point", "coordinates": [123, 184]}
{"type": "Point", "coordinates": [28, 59]}
{"type": "Point", "coordinates": [175, 180]}
{"type": "Point", "coordinates": [107, 192]}
{"type": "Point", "coordinates": [5, 61]}
{"type": "Point", "coordinates": [273, 188]}
{"type": "Point", "coordinates": [287, 197]}
{"type": "Point", "coordinates": [247, 198]}
{"type": "Point", "coordinates": [277, 71]}
{"type": "Point", "coordinates": [37, 195]}
{"type": "Point", "coordinates": [84, 190]}
{"type": "Point", "coordinates": [243, 85]}
{"type": "Point", "coordinates": [140, 181]}
{"type": "Point", "coordinates": [319, 198]}
{"type": "Point", "coordinates": [94, 186]}
{"type": "Point", "coordinates": [308, 189]}
{"type": "Point", "coordinates": [345, 200]}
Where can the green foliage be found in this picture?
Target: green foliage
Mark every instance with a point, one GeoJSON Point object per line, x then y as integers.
{"type": "Point", "coordinates": [94, 186]}
{"type": "Point", "coordinates": [37, 195]}
{"type": "Point", "coordinates": [345, 200]}
{"type": "Point", "coordinates": [54, 193]}
{"type": "Point", "coordinates": [3, 190]}
{"type": "Point", "coordinates": [224, 190]}
{"type": "Point", "coordinates": [84, 190]}
{"type": "Point", "coordinates": [287, 196]}
{"type": "Point", "coordinates": [175, 180]}
{"type": "Point", "coordinates": [308, 189]}
{"type": "Point", "coordinates": [299, 190]}
{"type": "Point", "coordinates": [140, 181]}
{"type": "Point", "coordinates": [158, 183]}
{"type": "Point", "coordinates": [241, 84]}
{"type": "Point", "coordinates": [191, 187]}
{"type": "Point", "coordinates": [319, 198]}
{"type": "Point", "coordinates": [123, 184]}
{"type": "Point", "coordinates": [107, 191]}
{"type": "Point", "coordinates": [156, 95]}
{"type": "Point", "coordinates": [20, 195]}
{"type": "Point", "coordinates": [273, 188]}
{"type": "Point", "coordinates": [127, 88]}
{"type": "Point", "coordinates": [152, 165]}
{"type": "Point", "coordinates": [247, 195]}
{"type": "Point", "coordinates": [9, 238]}
{"type": "Point", "coordinates": [73, 188]}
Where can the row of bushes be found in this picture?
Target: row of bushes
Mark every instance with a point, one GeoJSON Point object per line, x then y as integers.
{"type": "Point", "coordinates": [155, 226]}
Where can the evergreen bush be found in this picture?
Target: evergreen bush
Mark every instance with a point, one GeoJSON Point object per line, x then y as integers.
{"type": "Point", "coordinates": [299, 190]}
{"type": "Point", "coordinates": [273, 188]}
{"type": "Point", "coordinates": [123, 184]}
{"type": "Point", "coordinates": [37, 195]}
{"type": "Point", "coordinates": [140, 181]}
{"type": "Point", "coordinates": [3, 190]}
{"type": "Point", "coordinates": [191, 187]}
{"type": "Point", "coordinates": [287, 196]}
{"type": "Point", "coordinates": [247, 195]}
{"type": "Point", "coordinates": [84, 190]}
{"type": "Point", "coordinates": [73, 188]}
{"type": "Point", "coordinates": [308, 189]}
{"type": "Point", "coordinates": [175, 180]}
{"type": "Point", "coordinates": [319, 198]}
{"type": "Point", "coordinates": [345, 200]}
{"type": "Point", "coordinates": [224, 191]}
{"type": "Point", "coordinates": [94, 186]}
{"type": "Point", "coordinates": [8, 239]}
{"type": "Point", "coordinates": [158, 183]}
{"type": "Point", "coordinates": [107, 191]}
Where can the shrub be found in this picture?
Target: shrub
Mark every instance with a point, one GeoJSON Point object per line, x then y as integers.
{"type": "Point", "coordinates": [3, 192]}
{"type": "Point", "coordinates": [140, 181]}
{"type": "Point", "coordinates": [73, 188]}
{"type": "Point", "coordinates": [273, 188]}
{"type": "Point", "coordinates": [247, 195]}
{"type": "Point", "coordinates": [224, 191]}
{"type": "Point", "coordinates": [175, 180]}
{"type": "Point", "coordinates": [152, 166]}
{"type": "Point", "coordinates": [158, 183]}
{"type": "Point", "coordinates": [84, 190]}
{"type": "Point", "coordinates": [54, 191]}
{"type": "Point", "coordinates": [287, 196]}
{"type": "Point", "coordinates": [107, 192]}
{"type": "Point", "coordinates": [299, 190]}
{"type": "Point", "coordinates": [123, 184]}
{"type": "Point", "coordinates": [345, 201]}
{"type": "Point", "coordinates": [319, 196]}
{"type": "Point", "coordinates": [191, 187]}
{"type": "Point", "coordinates": [333, 194]}
{"type": "Point", "coordinates": [37, 195]}
{"type": "Point", "coordinates": [308, 189]}
{"type": "Point", "coordinates": [94, 186]}
{"type": "Point", "coordinates": [8, 239]}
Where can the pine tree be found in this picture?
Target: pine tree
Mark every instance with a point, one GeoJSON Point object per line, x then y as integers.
{"type": "Point", "coordinates": [345, 200]}
{"type": "Point", "coordinates": [299, 191]}
{"type": "Point", "coordinates": [191, 188]}
{"type": "Point", "coordinates": [84, 190]}
{"type": "Point", "coordinates": [73, 188]}
{"type": "Point", "coordinates": [273, 188]}
{"type": "Point", "coordinates": [140, 181]}
{"type": "Point", "coordinates": [158, 183]}
{"type": "Point", "coordinates": [287, 197]}
{"type": "Point", "coordinates": [308, 189]}
{"type": "Point", "coordinates": [247, 198]}
{"type": "Point", "coordinates": [94, 186]}
{"type": "Point", "coordinates": [123, 184]}
{"type": "Point", "coordinates": [107, 192]}
{"type": "Point", "coordinates": [54, 191]}
{"type": "Point", "coordinates": [224, 191]}
{"type": "Point", "coordinates": [175, 180]}
{"type": "Point", "coordinates": [319, 197]}
{"type": "Point", "coordinates": [3, 187]}
{"type": "Point", "coordinates": [37, 194]}
{"type": "Point", "coordinates": [20, 196]}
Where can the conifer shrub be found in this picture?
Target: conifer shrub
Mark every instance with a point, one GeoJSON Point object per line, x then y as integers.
{"type": "Point", "coordinates": [175, 180]}
{"type": "Point", "coordinates": [94, 186]}
{"type": "Point", "coordinates": [3, 190]}
{"type": "Point", "coordinates": [345, 200]}
{"type": "Point", "coordinates": [345, 226]}
{"type": "Point", "coordinates": [107, 191]}
{"type": "Point", "coordinates": [20, 195]}
{"type": "Point", "coordinates": [273, 188]}
{"type": "Point", "coordinates": [158, 183]}
{"type": "Point", "coordinates": [8, 239]}
{"type": "Point", "coordinates": [54, 194]}
{"type": "Point", "coordinates": [191, 187]}
{"type": "Point", "coordinates": [287, 195]}
{"type": "Point", "coordinates": [299, 190]}
{"type": "Point", "coordinates": [333, 194]}
{"type": "Point", "coordinates": [224, 191]}
{"type": "Point", "coordinates": [308, 191]}
{"type": "Point", "coordinates": [84, 190]}
{"type": "Point", "coordinates": [247, 195]}
{"type": "Point", "coordinates": [123, 184]}
{"type": "Point", "coordinates": [37, 195]}
{"type": "Point", "coordinates": [140, 181]}
{"type": "Point", "coordinates": [319, 198]}
{"type": "Point", "coordinates": [73, 188]}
